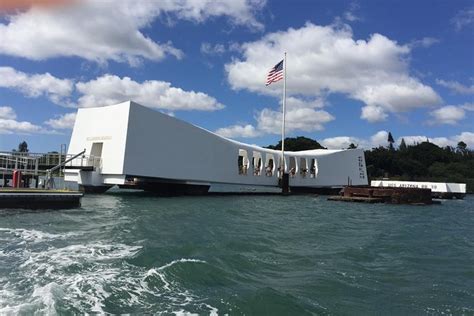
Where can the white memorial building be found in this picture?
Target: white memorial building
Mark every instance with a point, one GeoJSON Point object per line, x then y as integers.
{"type": "Point", "coordinates": [133, 146]}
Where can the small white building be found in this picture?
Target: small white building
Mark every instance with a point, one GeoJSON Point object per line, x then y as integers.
{"type": "Point", "coordinates": [133, 146]}
{"type": "Point", "coordinates": [438, 189]}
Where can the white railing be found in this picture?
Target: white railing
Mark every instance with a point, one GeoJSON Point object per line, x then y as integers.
{"type": "Point", "coordinates": [35, 163]}
{"type": "Point", "coordinates": [85, 161]}
{"type": "Point", "coordinates": [9, 162]}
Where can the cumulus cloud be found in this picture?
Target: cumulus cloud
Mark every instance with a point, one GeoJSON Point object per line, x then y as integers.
{"type": "Point", "coordinates": [301, 115]}
{"type": "Point", "coordinates": [15, 127]}
{"type": "Point", "coordinates": [9, 124]}
{"type": "Point", "coordinates": [449, 114]}
{"type": "Point", "coordinates": [106, 90]}
{"type": "Point", "coordinates": [244, 131]}
{"type": "Point", "coordinates": [467, 137]}
{"type": "Point", "coordinates": [373, 113]}
{"type": "Point", "coordinates": [327, 59]}
{"type": "Point", "coordinates": [456, 87]}
{"type": "Point", "coordinates": [7, 112]}
{"type": "Point", "coordinates": [36, 85]}
{"type": "Point", "coordinates": [304, 119]}
{"type": "Point", "coordinates": [380, 139]}
{"type": "Point", "coordinates": [341, 142]}
{"type": "Point", "coordinates": [111, 30]}
{"type": "Point", "coordinates": [110, 89]}
{"type": "Point", "coordinates": [65, 121]}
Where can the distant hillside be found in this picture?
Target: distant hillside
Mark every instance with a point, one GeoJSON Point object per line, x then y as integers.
{"type": "Point", "coordinates": [299, 143]}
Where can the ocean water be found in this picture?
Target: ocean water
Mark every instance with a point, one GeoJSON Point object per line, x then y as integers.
{"type": "Point", "coordinates": [254, 255]}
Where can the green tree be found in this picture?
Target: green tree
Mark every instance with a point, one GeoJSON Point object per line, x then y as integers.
{"type": "Point", "coordinates": [298, 144]}
{"type": "Point", "coordinates": [23, 147]}
{"type": "Point", "coordinates": [403, 145]}
{"type": "Point", "coordinates": [462, 147]}
{"type": "Point", "coordinates": [390, 141]}
{"type": "Point", "coordinates": [352, 146]}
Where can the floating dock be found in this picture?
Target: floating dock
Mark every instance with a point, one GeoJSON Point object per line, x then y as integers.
{"type": "Point", "coordinates": [39, 199]}
{"type": "Point", "coordinates": [414, 196]}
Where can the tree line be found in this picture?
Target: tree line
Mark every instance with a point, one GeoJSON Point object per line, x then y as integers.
{"type": "Point", "coordinates": [423, 161]}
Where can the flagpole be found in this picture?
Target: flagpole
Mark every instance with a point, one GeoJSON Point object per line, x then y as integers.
{"type": "Point", "coordinates": [283, 119]}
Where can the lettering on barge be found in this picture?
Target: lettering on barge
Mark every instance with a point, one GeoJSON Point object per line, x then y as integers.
{"type": "Point", "coordinates": [412, 185]}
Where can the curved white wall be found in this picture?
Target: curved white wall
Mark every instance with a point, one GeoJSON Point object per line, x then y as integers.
{"type": "Point", "coordinates": [138, 141]}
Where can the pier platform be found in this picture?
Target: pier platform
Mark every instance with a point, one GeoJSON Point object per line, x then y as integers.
{"type": "Point", "coordinates": [39, 199]}
{"type": "Point", "coordinates": [414, 196]}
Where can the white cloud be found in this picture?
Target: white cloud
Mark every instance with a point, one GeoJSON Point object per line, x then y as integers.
{"type": "Point", "coordinates": [65, 121]}
{"type": "Point", "coordinates": [244, 131]}
{"type": "Point", "coordinates": [240, 12]}
{"type": "Point", "coordinates": [209, 49]}
{"type": "Point", "coordinates": [350, 14]}
{"type": "Point", "coordinates": [302, 119]}
{"type": "Point", "coordinates": [106, 90]}
{"type": "Point", "coordinates": [294, 103]}
{"type": "Point", "coordinates": [16, 127]}
{"type": "Point", "coordinates": [467, 137]}
{"type": "Point", "coordinates": [7, 112]}
{"type": "Point", "coordinates": [340, 142]}
{"type": "Point", "coordinates": [327, 59]}
{"type": "Point", "coordinates": [468, 106]}
{"type": "Point", "coordinates": [463, 18]}
{"type": "Point", "coordinates": [302, 114]}
{"type": "Point", "coordinates": [36, 85]}
{"type": "Point", "coordinates": [269, 122]}
{"type": "Point", "coordinates": [413, 140]}
{"type": "Point", "coordinates": [373, 113]}
{"type": "Point", "coordinates": [110, 89]}
{"type": "Point", "coordinates": [449, 114]}
{"type": "Point", "coordinates": [380, 139]}
{"type": "Point", "coordinates": [111, 30]}
{"type": "Point", "coordinates": [9, 124]}
{"type": "Point", "coordinates": [424, 42]}
{"type": "Point", "coordinates": [456, 86]}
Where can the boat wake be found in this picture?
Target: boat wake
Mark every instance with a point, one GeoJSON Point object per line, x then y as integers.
{"type": "Point", "coordinates": [48, 277]}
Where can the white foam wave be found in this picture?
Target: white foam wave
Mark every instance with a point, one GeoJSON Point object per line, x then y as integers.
{"type": "Point", "coordinates": [85, 276]}
{"type": "Point", "coordinates": [35, 236]}
{"type": "Point", "coordinates": [49, 272]}
{"type": "Point", "coordinates": [182, 260]}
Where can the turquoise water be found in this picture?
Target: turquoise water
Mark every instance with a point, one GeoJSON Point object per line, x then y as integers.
{"type": "Point", "coordinates": [254, 255]}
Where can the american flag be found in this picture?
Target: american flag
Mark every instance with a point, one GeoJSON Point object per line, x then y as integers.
{"type": "Point", "coordinates": [276, 73]}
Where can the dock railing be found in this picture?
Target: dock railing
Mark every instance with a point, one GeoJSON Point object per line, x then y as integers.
{"type": "Point", "coordinates": [37, 163]}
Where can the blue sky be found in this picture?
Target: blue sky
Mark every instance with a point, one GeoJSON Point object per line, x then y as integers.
{"type": "Point", "coordinates": [356, 69]}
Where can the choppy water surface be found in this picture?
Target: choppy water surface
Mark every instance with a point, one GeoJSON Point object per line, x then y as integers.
{"type": "Point", "coordinates": [132, 253]}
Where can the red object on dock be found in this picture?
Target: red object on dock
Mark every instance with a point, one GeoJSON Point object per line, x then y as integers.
{"type": "Point", "coordinates": [16, 178]}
